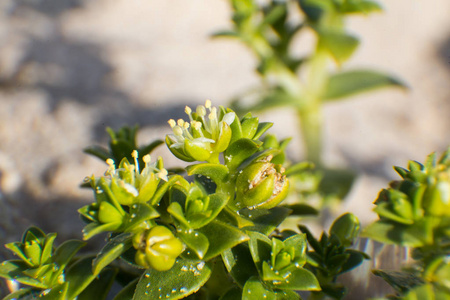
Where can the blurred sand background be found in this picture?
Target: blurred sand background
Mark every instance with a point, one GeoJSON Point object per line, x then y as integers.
{"type": "Point", "coordinates": [69, 68]}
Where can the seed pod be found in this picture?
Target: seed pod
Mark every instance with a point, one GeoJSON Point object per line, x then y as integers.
{"type": "Point", "coordinates": [261, 185]}
{"type": "Point", "coordinates": [157, 248]}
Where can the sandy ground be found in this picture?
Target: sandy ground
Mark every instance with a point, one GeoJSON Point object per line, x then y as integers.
{"type": "Point", "coordinates": [70, 68]}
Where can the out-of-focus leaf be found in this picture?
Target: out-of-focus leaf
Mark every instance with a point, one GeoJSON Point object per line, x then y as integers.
{"type": "Point", "coordinates": [348, 83]}
{"type": "Point", "coordinates": [340, 45]}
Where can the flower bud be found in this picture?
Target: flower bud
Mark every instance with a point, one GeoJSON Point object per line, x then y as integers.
{"type": "Point", "coordinates": [207, 134]}
{"type": "Point", "coordinates": [157, 248]}
{"type": "Point", "coordinates": [261, 185]}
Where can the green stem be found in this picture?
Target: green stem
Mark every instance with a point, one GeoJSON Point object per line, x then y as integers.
{"type": "Point", "coordinates": [310, 114]}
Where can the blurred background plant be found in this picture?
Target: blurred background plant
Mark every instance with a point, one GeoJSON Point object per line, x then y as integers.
{"type": "Point", "coordinates": [305, 83]}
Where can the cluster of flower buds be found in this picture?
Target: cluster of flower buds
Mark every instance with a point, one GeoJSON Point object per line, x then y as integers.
{"type": "Point", "coordinates": [157, 248]}
{"type": "Point", "coordinates": [131, 185]}
{"type": "Point", "coordinates": [126, 185]}
{"type": "Point", "coordinates": [261, 185]}
{"type": "Point", "coordinates": [207, 133]}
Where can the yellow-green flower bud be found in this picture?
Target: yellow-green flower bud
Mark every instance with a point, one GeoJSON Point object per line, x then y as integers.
{"type": "Point", "coordinates": [157, 248]}
{"type": "Point", "coordinates": [207, 134]}
{"type": "Point", "coordinates": [261, 185]}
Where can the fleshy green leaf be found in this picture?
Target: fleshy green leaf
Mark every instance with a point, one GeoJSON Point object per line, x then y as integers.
{"type": "Point", "coordinates": [300, 280]}
{"type": "Point", "coordinates": [254, 289]}
{"type": "Point", "coordinates": [260, 248]}
{"type": "Point", "coordinates": [183, 279]}
{"type": "Point", "coordinates": [239, 151]}
{"type": "Point", "coordinates": [221, 237]}
{"type": "Point", "coordinates": [348, 83]}
{"type": "Point", "coordinates": [138, 214]}
{"type": "Point", "coordinates": [112, 250]}
{"type": "Point", "coordinates": [64, 253]}
{"type": "Point", "coordinates": [79, 275]}
{"type": "Point", "coordinates": [218, 173]}
{"type": "Point", "coordinates": [12, 269]}
{"type": "Point", "coordinates": [239, 263]}
{"type": "Point", "coordinates": [56, 293]}
{"type": "Point", "coordinates": [265, 220]}
{"type": "Point", "coordinates": [21, 294]}
{"type": "Point", "coordinates": [196, 241]}
{"type": "Point", "coordinates": [99, 288]}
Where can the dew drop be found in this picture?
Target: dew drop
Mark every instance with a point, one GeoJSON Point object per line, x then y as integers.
{"type": "Point", "coordinates": [148, 285]}
{"type": "Point", "coordinates": [200, 265]}
{"type": "Point", "coordinates": [147, 275]}
{"type": "Point", "coordinates": [146, 292]}
{"type": "Point", "coordinates": [133, 216]}
{"type": "Point", "coordinates": [184, 268]}
{"type": "Point", "coordinates": [183, 290]}
{"type": "Point", "coordinates": [174, 291]}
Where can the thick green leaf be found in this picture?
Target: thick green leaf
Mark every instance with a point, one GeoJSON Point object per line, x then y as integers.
{"type": "Point", "coordinates": [221, 237]}
{"type": "Point", "coordinates": [239, 263]}
{"type": "Point", "coordinates": [139, 213]}
{"type": "Point", "coordinates": [17, 249]}
{"type": "Point", "coordinates": [348, 83]}
{"type": "Point", "coordinates": [99, 288]}
{"type": "Point", "coordinates": [95, 228]}
{"type": "Point", "coordinates": [239, 151]}
{"type": "Point", "coordinates": [112, 250]}
{"type": "Point", "coordinates": [56, 293]}
{"type": "Point", "coordinates": [195, 241]}
{"type": "Point", "coordinates": [260, 248]}
{"type": "Point", "coordinates": [12, 270]}
{"type": "Point", "coordinates": [127, 292]}
{"type": "Point", "coordinates": [254, 289]}
{"type": "Point", "coordinates": [184, 278]}
{"type": "Point", "coordinates": [265, 220]}
{"type": "Point", "coordinates": [79, 275]}
{"type": "Point", "coordinates": [218, 173]}
{"type": "Point", "coordinates": [300, 280]}
{"type": "Point", "coordinates": [64, 253]}
{"type": "Point", "coordinates": [21, 294]}
{"type": "Point", "coordinates": [162, 189]}
{"type": "Point", "coordinates": [262, 128]}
